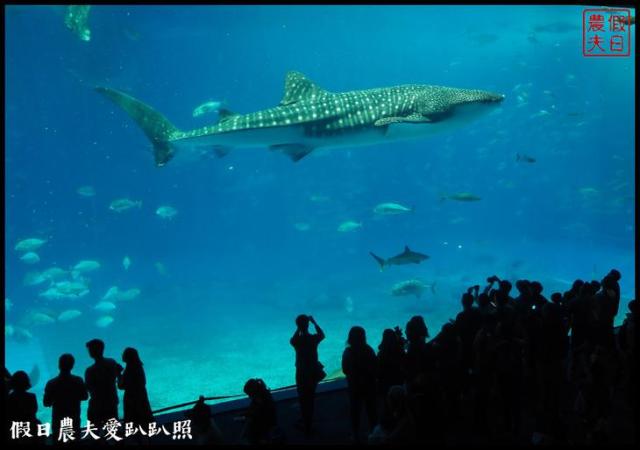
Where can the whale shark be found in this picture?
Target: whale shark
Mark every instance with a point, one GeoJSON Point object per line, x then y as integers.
{"type": "Point", "coordinates": [310, 117]}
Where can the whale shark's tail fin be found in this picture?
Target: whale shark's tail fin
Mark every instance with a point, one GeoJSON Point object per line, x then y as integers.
{"type": "Point", "coordinates": [380, 260]}
{"type": "Point", "coordinates": [156, 126]}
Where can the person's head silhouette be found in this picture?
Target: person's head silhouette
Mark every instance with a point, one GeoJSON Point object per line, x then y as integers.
{"type": "Point", "coordinates": [416, 330]}
{"type": "Point", "coordinates": [130, 356]}
{"type": "Point", "coordinates": [96, 348]}
{"type": "Point", "coordinates": [66, 363]}
{"type": "Point", "coordinates": [302, 322]}
{"type": "Point", "coordinates": [357, 337]}
{"type": "Point", "coordinates": [20, 381]}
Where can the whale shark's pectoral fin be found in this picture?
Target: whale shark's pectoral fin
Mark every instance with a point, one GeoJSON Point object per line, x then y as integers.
{"type": "Point", "coordinates": [413, 118]}
{"type": "Point", "coordinates": [294, 151]}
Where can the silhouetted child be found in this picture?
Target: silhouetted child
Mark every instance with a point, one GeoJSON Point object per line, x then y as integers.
{"type": "Point", "coordinates": [400, 426]}
{"type": "Point", "coordinates": [136, 407]}
{"type": "Point", "coordinates": [100, 379]}
{"type": "Point", "coordinates": [64, 394]}
{"type": "Point", "coordinates": [359, 364]}
{"type": "Point", "coordinates": [22, 407]}
{"type": "Point", "coordinates": [205, 430]}
{"type": "Point", "coordinates": [261, 418]}
{"type": "Point", "coordinates": [309, 371]}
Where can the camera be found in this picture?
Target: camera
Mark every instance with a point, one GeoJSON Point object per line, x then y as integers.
{"type": "Point", "coordinates": [492, 279]}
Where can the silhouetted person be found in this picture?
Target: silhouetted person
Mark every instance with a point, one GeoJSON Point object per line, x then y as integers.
{"type": "Point", "coordinates": [205, 430]}
{"type": "Point", "coordinates": [417, 352]}
{"type": "Point", "coordinates": [359, 364]}
{"type": "Point", "coordinates": [607, 304]}
{"type": "Point", "coordinates": [22, 406]}
{"type": "Point", "coordinates": [261, 418]}
{"type": "Point", "coordinates": [390, 360]}
{"type": "Point", "coordinates": [628, 343]}
{"type": "Point", "coordinates": [508, 373]}
{"type": "Point", "coordinates": [7, 380]}
{"type": "Point", "coordinates": [100, 379]}
{"type": "Point", "coordinates": [484, 369]}
{"type": "Point", "coordinates": [400, 425]}
{"type": "Point", "coordinates": [64, 394]}
{"type": "Point", "coordinates": [536, 294]}
{"type": "Point", "coordinates": [467, 324]}
{"type": "Point", "coordinates": [524, 300]}
{"type": "Point", "coordinates": [550, 365]}
{"type": "Point", "coordinates": [309, 371]}
{"type": "Point", "coordinates": [133, 382]}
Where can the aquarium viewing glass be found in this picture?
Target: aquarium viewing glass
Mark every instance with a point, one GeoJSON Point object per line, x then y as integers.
{"type": "Point", "coordinates": [178, 241]}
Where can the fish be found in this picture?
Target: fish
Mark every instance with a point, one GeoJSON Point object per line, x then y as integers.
{"type": "Point", "coordinates": [84, 266]}
{"type": "Point", "coordinates": [40, 318]}
{"type": "Point", "coordinates": [541, 113]}
{"type": "Point", "coordinates": [129, 294]}
{"type": "Point", "coordinates": [126, 263]}
{"type": "Point", "coordinates": [21, 334]}
{"type": "Point", "coordinates": [406, 257]}
{"type": "Point", "coordinates": [348, 304]}
{"type": "Point", "coordinates": [210, 106]}
{"type": "Point", "coordinates": [319, 198]}
{"type": "Point", "coordinates": [301, 226]}
{"type": "Point", "coordinates": [166, 212]}
{"type": "Point", "coordinates": [588, 191]}
{"type": "Point", "coordinates": [309, 117]}
{"type": "Point", "coordinates": [349, 225]}
{"type": "Point", "coordinates": [68, 315]}
{"type": "Point", "coordinates": [76, 19]}
{"type": "Point", "coordinates": [76, 288]}
{"type": "Point", "coordinates": [391, 209]}
{"type": "Point", "coordinates": [33, 279]}
{"type": "Point", "coordinates": [411, 287]}
{"type": "Point", "coordinates": [8, 304]}
{"type": "Point", "coordinates": [30, 258]}
{"type": "Point", "coordinates": [112, 294]}
{"type": "Point", "coordinates": [161, 268]}
{"type": "Point", "coordinates": [86, 191]}
{"type": "Point", "coordinates": [124, 204]}
{"type": "Point", "coordinates": [105, 306]}
{"type": "Point", "coordinates": [29, 245]}
{"type": "Point", "coordinates": [525, 158]}
{"type": "Point", "coordinates": [104, 321]}
{"type": "Point", "coordinates": [556, 27]}
{"type": "Point", "coordinates": [53, 273]}
{"type": "Point", "coordinates": [461, 197]}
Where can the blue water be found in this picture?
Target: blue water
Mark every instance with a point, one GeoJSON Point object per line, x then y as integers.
{"type": "Point", "coordinates": [222, 282]}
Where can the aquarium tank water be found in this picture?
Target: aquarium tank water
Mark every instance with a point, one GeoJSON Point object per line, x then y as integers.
{"type": "Point", "coordinates": [201, 256]}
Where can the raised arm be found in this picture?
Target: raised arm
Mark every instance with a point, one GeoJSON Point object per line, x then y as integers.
{"type": "Point", "coordinates": [319, 331]}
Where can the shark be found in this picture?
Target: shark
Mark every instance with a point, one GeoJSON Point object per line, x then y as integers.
{"type": "Point", "coordinates": [309, 117]}
{"type": "Point", "coordinates": [406, 257]}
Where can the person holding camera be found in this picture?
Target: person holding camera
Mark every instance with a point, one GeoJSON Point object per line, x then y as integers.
{"type": "Point", "coordinates": [309, 371]}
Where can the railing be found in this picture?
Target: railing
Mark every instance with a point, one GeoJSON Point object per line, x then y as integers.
{"type": "Point", "coordinates": [228, 397]}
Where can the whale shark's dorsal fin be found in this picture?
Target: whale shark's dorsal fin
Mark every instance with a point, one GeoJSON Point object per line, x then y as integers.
{"type": "Point", "coordinates": [406, 249]}
{"type": "Point", "coordinates": [298, 87]}
{"type": "Point", "coordinates": [225, 114]}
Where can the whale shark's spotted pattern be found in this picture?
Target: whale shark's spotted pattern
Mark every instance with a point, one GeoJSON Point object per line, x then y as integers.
{"type": "Point", "coordinates": [320, 114]}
